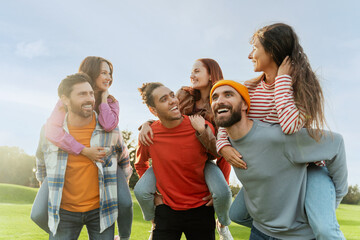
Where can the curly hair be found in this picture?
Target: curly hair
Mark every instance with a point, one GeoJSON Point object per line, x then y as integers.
{"type": "Point", "coordinates": [146, 91]}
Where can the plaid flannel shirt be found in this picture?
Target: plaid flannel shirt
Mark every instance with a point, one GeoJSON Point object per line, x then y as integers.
{"type": "Point", "coordinates": [51, 163]}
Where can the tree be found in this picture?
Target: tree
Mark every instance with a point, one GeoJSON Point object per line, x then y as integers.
{"type": "Point", "coordinates": [130, 143]}
{"type": "Point", "coordinates": [353, 195]}
{"type": "Point", "coordinates": [16, 167]}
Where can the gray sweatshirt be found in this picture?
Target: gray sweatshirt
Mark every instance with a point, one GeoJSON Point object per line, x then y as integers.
{"type": "Point", "coordinates": [275, 181]}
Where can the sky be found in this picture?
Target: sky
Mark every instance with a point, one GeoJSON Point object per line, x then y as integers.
{"type": "Point", "coordinates": [41, 42]}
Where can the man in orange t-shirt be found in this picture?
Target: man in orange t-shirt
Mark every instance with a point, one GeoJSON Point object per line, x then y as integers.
{"type": "Point", "coordinates": [178, 161]}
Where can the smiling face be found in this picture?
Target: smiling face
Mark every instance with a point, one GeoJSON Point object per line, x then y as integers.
{"type": "Point", "coordinates": [81, 100]}
{"type": "Point", "coordinates": [103, 81]}
{"type": "Point", "coordinates": [166, 104]}
{"type": "Point", "coordinates": [261, 59]}
{"type": "Point", "coordinates": [227, 106]}
{"type": "Point", "coordinates": [200, 77]}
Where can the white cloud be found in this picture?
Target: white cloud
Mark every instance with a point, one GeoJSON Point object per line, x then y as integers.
{"type": "Point", "coordinates": [32, 49]}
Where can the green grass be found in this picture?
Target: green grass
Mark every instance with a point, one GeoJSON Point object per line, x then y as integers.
{"type": "Point", "coordinates": [16, 202]}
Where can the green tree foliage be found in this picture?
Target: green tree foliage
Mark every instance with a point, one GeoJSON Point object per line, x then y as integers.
{"type": "Point", "coordinates": [16, 166]}
{"type": "Point", "coordinates": [234, 190]}
{"type": "Point", "coordinates": [353, 195]}
{"type": "Point", "coordinates": [130, 143]}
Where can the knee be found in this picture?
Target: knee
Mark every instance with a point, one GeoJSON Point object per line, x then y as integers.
{"type": "Point", "coordinates": [125, 203]}
{"type": "Point", "coordinates": [142, 192]}
{"type": "Point", "coordinates": [326, 231]}
{"type": "Point", "coordinates": [222, 195]}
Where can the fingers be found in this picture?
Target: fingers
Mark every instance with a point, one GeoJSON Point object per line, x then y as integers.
{"type": "Point", "coordinates": [151, 135]}
{"type": "Point", "coordinates": [207, 197]}
{"type": "Point", "coordinates": [148, 139]}
{"type": "Point", "coordinates": [143, 140]}
{"type": "Point", "coordinates": [210, 203]}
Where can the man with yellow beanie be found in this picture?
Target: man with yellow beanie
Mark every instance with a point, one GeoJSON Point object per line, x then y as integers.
{"type": "Point", "coordinates": [275, 179]}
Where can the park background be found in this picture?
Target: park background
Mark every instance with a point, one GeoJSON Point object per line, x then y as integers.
{"type": "Point", "coordinates": [43, 41]}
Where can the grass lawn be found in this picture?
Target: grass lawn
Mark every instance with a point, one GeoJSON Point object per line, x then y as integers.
{"type": "Point", "coordinates": [16, 224]}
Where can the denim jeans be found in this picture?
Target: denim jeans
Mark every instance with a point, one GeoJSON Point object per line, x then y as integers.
{"type": "Point", "coordinates": [71, 224]}
{"type": "Point", "coordinates": [39, 211]}
{"type": "Point", "coordinates": [257, 235]}
{"type": "Point", "coordinates": [218, 187]}
{"type": "Point", "coordinates": [320, 204]}
{"type": "Point", "coordinates": [238, 211]}
{"type": "Point", "coordinates": [320, 201]}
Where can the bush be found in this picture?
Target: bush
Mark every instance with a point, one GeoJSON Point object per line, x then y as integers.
{"type": "Point", "coordinates": [235, 190]}
{"type": "Point", "coordinates": [353, 195]}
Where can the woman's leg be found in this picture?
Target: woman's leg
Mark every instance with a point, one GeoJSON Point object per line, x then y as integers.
{"type": "Point", "coordinates": [238, 211]}
{"type": "Point", "coordinates": [39, 210]}
{"type": "Point", "coordinates": [320, 204]}
{"type": "Point", "coordinates": [125, 207]}
{"type": "Point", "coordinates": [144, 192]}
{"type": "Point", "coordinates": [220, 191]}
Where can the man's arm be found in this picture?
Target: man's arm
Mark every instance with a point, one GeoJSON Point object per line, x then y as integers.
{"type": "Point", "coordinates": [330, 148]}
{"type": "Point", "coordinates": [123, 157]}
{"type": "Point", "coordinates": [40, 161]}
{"type": "Point", "coordinates": [142, 159]}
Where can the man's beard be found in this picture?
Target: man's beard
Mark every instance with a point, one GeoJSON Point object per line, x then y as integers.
{"type": "Point", "coordinates": [229, 121]}
{"type": "Point", "coordinates": [79, 111]}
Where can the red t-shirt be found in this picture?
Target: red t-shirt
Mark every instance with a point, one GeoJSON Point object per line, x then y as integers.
{"type": "Point", "coordinates": [178, 161]}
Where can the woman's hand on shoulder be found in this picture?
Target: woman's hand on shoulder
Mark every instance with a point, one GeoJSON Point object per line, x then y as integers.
{"type": "Point", "coordinates": [198, 123]}
{"type": "Point", "coordinates": [286, 67]}
{"type": "Point", "coordinates": [146, 134]}
{"type": "Point", "coordinates": [233, 157]}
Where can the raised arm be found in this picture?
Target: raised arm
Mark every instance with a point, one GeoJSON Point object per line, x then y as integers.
{"type": "Point", "coordinates": [55, 133]}
{"type": "Point", "coordinates": [109, 113]}
{"type": "Point", "coordinates": [291, 118]}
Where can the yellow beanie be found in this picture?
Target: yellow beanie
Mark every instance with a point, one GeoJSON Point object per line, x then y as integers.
{"type": "Point", "coordinates": [241, 89]}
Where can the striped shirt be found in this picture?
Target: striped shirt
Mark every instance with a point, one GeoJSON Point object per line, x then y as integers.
{"type": "Point", "coordinates": [272, 103]}
{"type": "Point", "coordinates": [51, 162]}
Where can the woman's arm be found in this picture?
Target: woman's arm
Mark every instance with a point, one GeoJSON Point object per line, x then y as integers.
{"type": "Point", "coordinates": [291, 118]}
{"type": "Point", "coordinates": [109, 113]}
{"type": "Point", "coordinates": [56, 134]}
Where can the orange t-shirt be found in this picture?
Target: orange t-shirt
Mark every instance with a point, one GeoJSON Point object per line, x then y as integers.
{"type": "Point", "coordinates": [81, 185]}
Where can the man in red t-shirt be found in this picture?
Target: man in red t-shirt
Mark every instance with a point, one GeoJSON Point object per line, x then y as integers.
{"type": "Point", "coordinates": [178, 161]}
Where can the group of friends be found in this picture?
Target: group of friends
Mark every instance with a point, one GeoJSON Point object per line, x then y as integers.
{"type": "Point", "coordinates": [269, 129]}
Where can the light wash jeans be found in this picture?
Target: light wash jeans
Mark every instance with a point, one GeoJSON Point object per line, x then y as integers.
{"type": "Point", "coordinates": [39, 211]}
{"type": "Point", "coordinates": [145, 189]}
{"type": "Point", "coordinates": [320, 205]}
{"type": "Point", "coordinates": [71, 224]}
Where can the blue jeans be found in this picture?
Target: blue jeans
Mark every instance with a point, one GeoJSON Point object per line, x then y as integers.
{"type": "Point", "coordinates": [320, 204]}
{"type": "Point", "coordinates": [146, 187]}
{"type": "Point", "coordinates": [39, 211]}
{"type": "Point", "coordinates": [238, 211]}
{"type": "Point", "coordinates": [71, 224]}
{"type": "Point", "coordinates": [257, 235]}
{"type": "Point", "coordinates": [320, 201]}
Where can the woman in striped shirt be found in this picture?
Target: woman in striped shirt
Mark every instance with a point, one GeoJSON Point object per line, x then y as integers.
{"type": "Point", "coordinates": [287, 93]}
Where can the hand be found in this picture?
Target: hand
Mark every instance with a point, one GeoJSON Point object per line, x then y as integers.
{"type": "Point", "coordinates": [198, 123]}
{"type": "Point", "coordinates": [210, 203]}
{"type": "Point", "coordinates": [158, 199]}
{"type": "Point", "coordinates": [104, 96]}
{"type": "Point", "coordinates": [95, 154]}
{"type": "Point", "coordinates": [144, 137]}
{"type": "Point", "coordinates": [233, 157]}
{"type": "Point", "coordinates": [285, 67]}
